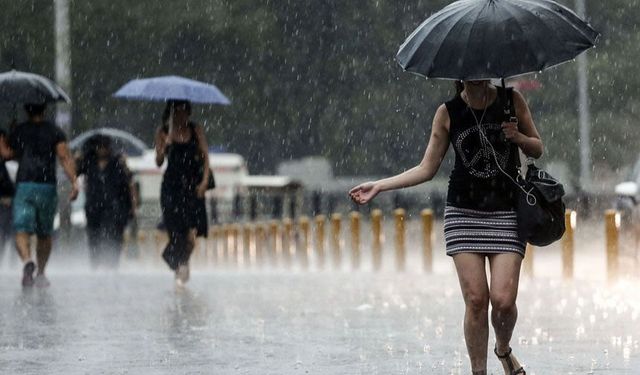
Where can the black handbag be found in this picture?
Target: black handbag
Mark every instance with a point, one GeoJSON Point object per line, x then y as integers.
{"type": "Point", "coordinates": [539, 206]}
{"type": "Point", "coordinates": [540, 209]}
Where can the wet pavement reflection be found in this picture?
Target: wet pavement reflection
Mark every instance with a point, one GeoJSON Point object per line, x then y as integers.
{"type": "Point", "coordinates": [287, 323]}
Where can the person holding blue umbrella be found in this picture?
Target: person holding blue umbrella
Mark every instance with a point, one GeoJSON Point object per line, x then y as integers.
{"type": "Point", "coordinates": [183, 145]}
{"type": "Point", "coordinates": [471, 42]}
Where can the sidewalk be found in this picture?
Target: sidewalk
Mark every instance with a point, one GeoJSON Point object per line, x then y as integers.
{"type": "Point", "coordinates": [245, 322]}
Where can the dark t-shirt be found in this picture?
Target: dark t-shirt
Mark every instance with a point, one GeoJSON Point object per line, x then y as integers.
{"type": "Point", "coordinates": [34, 145]}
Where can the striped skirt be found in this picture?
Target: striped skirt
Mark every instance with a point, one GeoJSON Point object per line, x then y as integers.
{"type": "Point", "coordinates": [485, 232]}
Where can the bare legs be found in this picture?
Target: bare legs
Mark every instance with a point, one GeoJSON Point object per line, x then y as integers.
{"type": "Point", "coordinates": [505, 270]}
{"type": "Point", "coordinates": [178, 252]}
{"type": "Point", "coordinates": [475, 291]}
{"type": "Point", "coordinates": [505, 276]}
{"type": "Point", "coordinates": [23, 246]}
{"type": "Point", "coordinates": [43, 249]}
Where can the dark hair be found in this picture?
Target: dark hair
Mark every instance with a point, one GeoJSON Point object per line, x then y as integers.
{"type": "Point", "coordinates": [35, 109]}
{"type": "Point", "coordinates": [175, 103]}
{"type": "Point", "coordinates": [91, 145]}
{"type": "Point", "coordinates": [459, 86]}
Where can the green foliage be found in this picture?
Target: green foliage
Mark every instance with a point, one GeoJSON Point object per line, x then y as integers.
{"type": "Point", "coordinates": [309, 77]}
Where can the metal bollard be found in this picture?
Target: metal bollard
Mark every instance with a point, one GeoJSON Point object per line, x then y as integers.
{"type": "Point", "coordinates": [274, 243]}
{"type": "Point", "coordinates": [226, 249]}
{"type": "Point", "coordinates": [568, 244]}
{"type": "Point", "coordinates": [612, 227]}
{"type": "Point", "coordinates": [320, 220]}
{"type": "Point", "coordinates": [336, 246]}
{"type": "Point", "coordinates": [247, 246]}
{"type": "Point", "coordinates": [197, 254]}
{"type": "Point", "coordinates": [234, 234]}
{"type": "Point", "coordinates": [142, 244]}
{"type": "Point", "coordinates": [126, 245]}
{"type": "Point", "coordinates": [427, 240]}
{"type": "Point", "coordinates": [161, 240]}
{"type": "Point", "coordinates": [355, 240]}
{"type": "Point", "coordinates": [157, 242]}
{"type": "Point", "coordinates": [220, 246]}
{"type": "Point", "coordinates": [303, 249]}
{"type": "Point", "coordinates": [527, 263]}
{"type": "Point", "coordinates": [287, 235]}
{"type": "Point", "coordinates": [259, 237]}
{"type": "Point", "coordinates": [376, 249]}
{"type": "Point", "coordinates": [400, 219]}
{"type": "Point", "coordinates": [211, 246]}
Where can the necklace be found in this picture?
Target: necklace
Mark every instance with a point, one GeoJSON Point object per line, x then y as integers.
{"type": "Point", "coordinates": [473, 112]}
{"type": "Point", "coordinates": [484, 142]}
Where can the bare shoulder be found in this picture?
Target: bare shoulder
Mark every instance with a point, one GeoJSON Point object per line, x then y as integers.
{"type": "Point", "coordinates": [198, 127]}
{"type": "Point", "coordinates": [441, 119]}
{"type": "Point", "coordinates": [518, 98]}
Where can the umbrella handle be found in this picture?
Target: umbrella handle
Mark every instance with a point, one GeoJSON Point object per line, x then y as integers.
{"type": "Point", "coordinates": [170, 126]}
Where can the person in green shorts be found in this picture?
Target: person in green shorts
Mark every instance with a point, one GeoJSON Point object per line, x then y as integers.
{"type": "Point", "coordinates": [36, 144]}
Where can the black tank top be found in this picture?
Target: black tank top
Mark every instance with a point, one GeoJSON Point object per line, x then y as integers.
{"type": "Point", "coordinates": [184, 164]}
{"type": "Point", "coordinates": [476, 182]}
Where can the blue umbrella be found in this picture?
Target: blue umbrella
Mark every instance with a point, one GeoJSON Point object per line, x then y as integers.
{"type": "Point", "coordinates": [172, 88]}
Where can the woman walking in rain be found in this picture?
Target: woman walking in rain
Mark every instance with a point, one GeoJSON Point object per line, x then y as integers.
{"type": "Point", "coordinates": [480, 219]}
{"type": "Point", "coordinates": [183, 143]}
{"type": "Point", "coordinates": [110, 200]}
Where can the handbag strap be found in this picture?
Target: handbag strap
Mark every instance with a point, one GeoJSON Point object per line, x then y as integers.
{"type": "Point", "coordinates": [509, 109]}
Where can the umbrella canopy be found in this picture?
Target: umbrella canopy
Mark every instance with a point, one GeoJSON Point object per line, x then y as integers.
{"type": "Point", "coordinates": [172, 88]}
{"type": "Point", "coordinates": [482, 39]}
{"type": "Point", "coordinates": [123, 142]}
{"type": "Point", "coordinates": [23, 87]}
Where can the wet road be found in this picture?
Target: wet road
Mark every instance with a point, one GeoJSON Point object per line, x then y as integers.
{"type": "Point", "coordinates": [307, 323]}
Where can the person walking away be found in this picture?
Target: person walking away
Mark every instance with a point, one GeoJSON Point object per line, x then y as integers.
{"type": "Point", "coordinates": [480, 218]}
{"type": "Point", "coordinates": [36, 144]}
{"type": "Point", "coordinates": [110, 200]}
{"type": "Point", "coordinates": [7, 190]}
{"type": "Point", "coordinates": [183, 144]}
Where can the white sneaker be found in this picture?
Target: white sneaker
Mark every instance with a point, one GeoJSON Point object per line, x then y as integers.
{"type": "Point", "coordinates": [41, 281]}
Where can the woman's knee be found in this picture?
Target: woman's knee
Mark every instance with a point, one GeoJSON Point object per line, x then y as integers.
{"type": "Point", "coordinates": [503, 302]}
{"type": "Point", "coordinates": [477, 302]}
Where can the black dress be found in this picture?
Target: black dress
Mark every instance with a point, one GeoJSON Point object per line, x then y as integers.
{"type": "Point", "coordinates": [182, 210]}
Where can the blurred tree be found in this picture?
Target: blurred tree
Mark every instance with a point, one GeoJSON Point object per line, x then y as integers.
{"type": "Point", "coordinates": [309, 77]}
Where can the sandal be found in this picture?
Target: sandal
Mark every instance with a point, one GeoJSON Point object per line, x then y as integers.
{"type": "Point", "coordinates": [507, 358]}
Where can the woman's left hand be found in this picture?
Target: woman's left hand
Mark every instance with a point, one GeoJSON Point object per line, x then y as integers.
{"type": "Point", "coordinates": [510, 130]}
{"type": "Point", "coordinates": [201, 190]}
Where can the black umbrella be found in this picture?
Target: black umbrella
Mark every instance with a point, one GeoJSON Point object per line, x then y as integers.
{"type": "Point", "coordinates": [22, 87]}
{"type": "Point", "coordinates": [482, 39]}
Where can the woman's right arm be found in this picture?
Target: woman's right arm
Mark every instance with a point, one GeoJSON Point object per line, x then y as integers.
{"type": "Point", "coordinates": [160, 143]}
{"type": "Point", "coordinates": [436, 150]}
